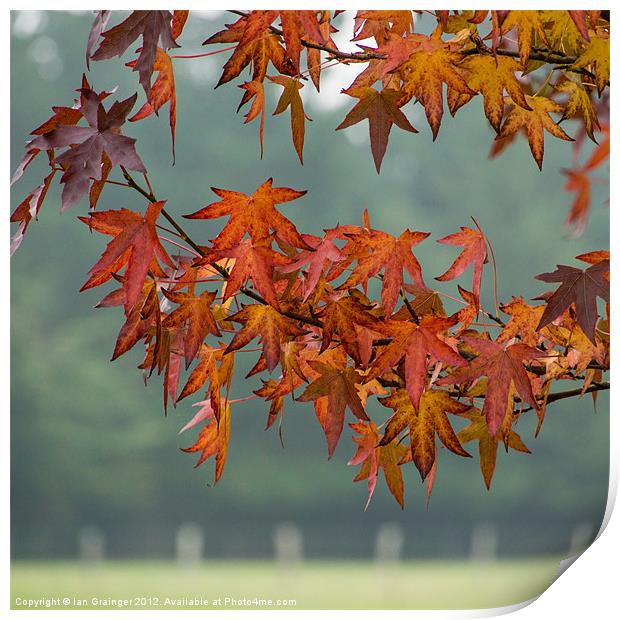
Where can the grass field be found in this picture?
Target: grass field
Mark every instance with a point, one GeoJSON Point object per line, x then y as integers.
{"type": "Point", "coordinates": [312, 585]}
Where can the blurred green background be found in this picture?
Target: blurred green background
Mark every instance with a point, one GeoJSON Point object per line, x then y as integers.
{"type": "Point", "coordinates": [90, 444]}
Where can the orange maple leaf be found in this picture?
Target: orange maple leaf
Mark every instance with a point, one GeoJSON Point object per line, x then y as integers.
{"type": "Point", "coordinates": [255, 215]}
{"type": "Point", "coordinates": [423, 424]}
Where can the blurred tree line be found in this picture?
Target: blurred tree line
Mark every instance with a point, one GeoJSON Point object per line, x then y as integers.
{"type": "Point", "coordinates": [90, 445]}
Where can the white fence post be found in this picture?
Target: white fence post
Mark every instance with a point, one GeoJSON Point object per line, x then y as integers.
{"type": "Point", "coordinates": [389, 543]}
{"type": "Point", "coordinates": [91, 545]}
{"type": "Point", "coordinates": [484, 542]}
{"type": "Point", "coordinates": [189, 544]}
{"type": "Point", "coordinates": [288, 544]}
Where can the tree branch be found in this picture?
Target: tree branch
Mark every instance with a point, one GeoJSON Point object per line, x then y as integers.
{"type": "Point", "coordinates": [550, 56]}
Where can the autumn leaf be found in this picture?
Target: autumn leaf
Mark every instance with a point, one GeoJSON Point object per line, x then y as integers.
{"type": "Point", "coordinates": [255, 215]}
{"type": "Point", "coordinates": [254, 45]}
{"type": "Point", "coordinates": [298, 26]}
{"type": "Point", "coordinates": [596, 57]}
{"type": "Point", "coordinates": [162, 92]}
{"type": "Point", "coordinates": [155, 29]}
{"type": "Point", "coordinates": [426, 71]}
{"type": "Point", "coordinates": [338, 386]}
{"type": "Point", "coordinates": [179, 18]}
{"type": "Point", "coordinates": [28, 209]}
{"type": "Point", "coordinates": [213, 366]}
{"type": "Point", "coordinates": [430, 419]}
{"type": "Point", "coordinates": [376, 251]}
{"type": "Point", "coordinates": [490, 77]}
{"type": "Point", "coordinates": [138, 319]}
{"type": "Point", "coordinates": [487, 443]}
{"type": "Point", "coordinates": [414, 342]}
{"type": "Point", "coordinates": [255, 90]}
{"type": "Point", "coordinates": [579, 103]}
{"type": "Point", "coordinates": [290, 98]}
{"type": "Point", "coordinates": [196, 311]}
{"type": "Point", "coordinates": [474, 253]}
{"type": "Point", "coordinates": [252, 260]}
{"type": "Point", "coordinates": [135, 244]}
{"type": "Point", "coordinates": [323, 254]}
{"type": "Point", "coordinates": [382, 111]}
{"type": "Point", "coordinates": [580, 287]}
{"type": "Point", "coordinates": [213, 441]}
{"type": "Point", "coordinates": [534, 123]}
{"type": "Point", "coordinates": [529, 28]}
{"type": "Point", "coordinates": [523, 322]}
{"type": "Point", "coordinates": [503, 366]}
{"type": "Point", "coordinates": [340, 318]}
{"type": "Point", "coordinates": [86, 146]}
{"type": "Point", "coordinates": [98, 26]}
{"type": "Point", "coordinates": [271, 327]}
{"type": "Point", "coordinates": [373, 457]}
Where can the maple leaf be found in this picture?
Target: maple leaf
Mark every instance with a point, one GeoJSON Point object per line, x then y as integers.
{"type": "Point", "coordinates": [382, 111]}
{"type": "Point", "coordinates": [135, 244]}
{"type": "Point", "coordinates": [153, 26]}
{"type": "Point", "coordinates": [578, 181]}
{"type": "Point", "coordinates": [373, 457]}
{"type": "Point", "coordinates": [99, 25]}
{"type": "Point", "coordinates": [430, 419]}
{"type": "Point", "coordinates": [413, 343]}
{"type": "Point", "coordinates": [579, 103]}
{"type": "Point", "coordinates": [197, 312]}
{"type": "Point", "coordinates": [528, 25]}
{"type": "Point", "coordinates": [377, 250]}
{"type": "Point", "coordinates": [490, 77]}
{"type": "Point", "coordinates": [340, 318]}
{"type": "Point", "coordinates": [255, 45]}
{"type": "Point", "coordinates": [162, 92]}
{"type": "Point", "coordinates": [314, 55]}
{"type": "Point", "coordinates": [272, 328]}
{"type": "Point", "coordinates": [87, 145]}
{"type": "Point", "coordinates": [138, 319]}
{"type": "Point", "coordinates": [425, 72]}
{"type": "Point", "coordinates": [503, 367]}
{"type": "Point", "coordinates": [580, 287]}
{"type": "Point", "coordinates": [565, 30]}
{"type": "Point", "coordinates": [596, 57]}
{"type": "Point", "coordinates": [338, 385]}
{"type": "Point", "coordinates": [467, 314]}
{"type": "Point", "coordinates": [252, 260]}
{"type": "Point", "coordinates": [179, 17]}
{"type": "Point", "coordinates": [290, 98]}
{"type": "Point", "coordinates": [534, 122]}
{"type": "Point", "coordinates": [580, 351]}
{"type": "Point", "coordinates": [255, 90]}
{"type": "Point", "coordinates": [213, 441]}
{"type": "Point", "coordinates": [523, 323]}
{"type": "Point", "coordinates": [425, 301]}
{"type": "Point", "coordinates": [487, 443]}
{"type": "Point", "coordinates": [474, 253]}
{"type": "Point", "coordinates": [323, 252]}
{"type": "Point", "coordinates": [28, 209]}
{"type": "Point", "coordinates": [217, 368]}
{"type": "Point", "coordinates": [298, 26]}
{"type": "Point", "coordinates": [255, 215]}
{"type": "Point", "coordinates": [594, 257]}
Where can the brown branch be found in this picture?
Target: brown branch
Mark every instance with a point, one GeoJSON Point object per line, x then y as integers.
{"type": "Point", "coordinates": [550, 56]}
{"type": "Point", "coordinates": [555, 396]}
{"type": "Point", "coordinates": [353, 56]}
